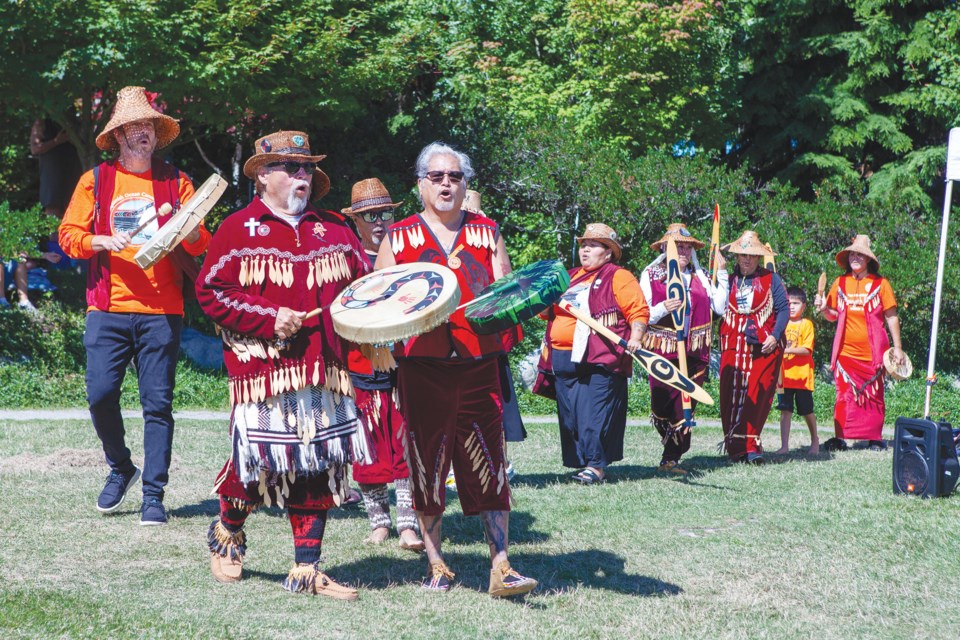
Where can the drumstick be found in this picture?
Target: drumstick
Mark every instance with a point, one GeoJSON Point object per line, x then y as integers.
{"type": "Point", "coordinates": [822, 283]}
{"type": "Point", "coordinates": [657, 366]}
{"type": "Point", "coordinates": [164, 209]}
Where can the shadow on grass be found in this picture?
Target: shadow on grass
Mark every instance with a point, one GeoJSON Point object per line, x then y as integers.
{"type": "Point", "coordinates": [590, 568]}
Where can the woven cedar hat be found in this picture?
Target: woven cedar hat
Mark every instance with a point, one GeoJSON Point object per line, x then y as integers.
{"type": "Point", "coordinates": [471, 202]}
{"type": "Point", "coordinates": [677, 231]}
{"type": "Point", "coordinates": [860, 244]}
{"type": "Point", "coordinates": [369, 195]}
{"type": "Point", "coordinates": [605, 235]}
{"type": "Point", "coordinates": [132, 105]}
{"type": "Point", "coordinates": [748, 244]}
{"type": "Point", "coordinates": [286, 146]}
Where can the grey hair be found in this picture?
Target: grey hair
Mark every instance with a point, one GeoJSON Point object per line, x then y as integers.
{"type": "Point", "coordinates": [441, 149]}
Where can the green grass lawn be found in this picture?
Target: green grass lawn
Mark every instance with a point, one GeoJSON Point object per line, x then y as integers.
{"type": "Point", "coordinates": [802, 548]}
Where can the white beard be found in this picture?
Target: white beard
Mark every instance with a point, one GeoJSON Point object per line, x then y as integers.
{"type": "Point", "coordinates": [443, 205]}
{"type": "Point", "coordinates": [296, 204]}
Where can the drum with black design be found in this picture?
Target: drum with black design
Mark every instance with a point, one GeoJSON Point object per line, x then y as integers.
{"type": "Point", "coordinates": [396, 303]}
{"type": "Point", "coordinates": [182, 223]}
{"type": "Point", "coordinates": [517, 296]}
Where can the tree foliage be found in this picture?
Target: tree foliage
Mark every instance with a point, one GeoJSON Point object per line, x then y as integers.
{"type": "Point", "coordinates": [850, 90]}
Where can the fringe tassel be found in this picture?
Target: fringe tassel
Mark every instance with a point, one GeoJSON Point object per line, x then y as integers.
{"type": "Point", "coordinates": [223, 542]}
{"type": "Point", "coordinates": [380, 356]}
{"type": "Point", "coordinates": [302, 579]}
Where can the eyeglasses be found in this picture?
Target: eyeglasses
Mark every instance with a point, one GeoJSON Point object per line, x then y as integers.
{"type": "Point", "coordinates": [436, 177]}
{"type": "Point", "coordinates": [373, 216]}
{"type": "Point", "coordinates": [294, 168]}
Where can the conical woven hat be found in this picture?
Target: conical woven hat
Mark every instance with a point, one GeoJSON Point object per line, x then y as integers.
{"type": "Point", "coordinates": [132, 105]}
{"type": "Point", "coordinates": [860, 244]}
{"type": "Point", "coordinates": [368, 195]}
{"type": "Point", "coordinates": [748, 244]}
{"type": "Point", "coordinates": [677, 231]}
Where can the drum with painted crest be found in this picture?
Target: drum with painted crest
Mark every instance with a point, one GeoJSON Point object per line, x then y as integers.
{"type": "Point", "coordinates": [183, 222]}
{"type": "Point", "coordinates": [396, 303]}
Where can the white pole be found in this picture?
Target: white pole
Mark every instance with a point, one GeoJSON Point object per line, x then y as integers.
{"type": "Point", "coordinates": [953, 173]}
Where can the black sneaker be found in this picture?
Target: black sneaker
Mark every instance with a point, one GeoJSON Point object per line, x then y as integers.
{"type": "Point", "coordinates": [152, 512]}
{"type": "Point", "coordinates": [115, 490]}
{"type": "Point", "coordinates": [878, 445]}
{"type": "Point", "coordinates": [836, 444]}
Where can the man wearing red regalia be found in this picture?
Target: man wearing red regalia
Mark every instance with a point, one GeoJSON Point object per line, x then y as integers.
{"type": "Point", "coordinates": [448, 378]}
{"type": "Point", "coordinates": [294, 423]}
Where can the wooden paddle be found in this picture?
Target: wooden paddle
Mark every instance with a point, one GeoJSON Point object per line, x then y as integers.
{"type": "Point", "coordinates": [822, 284]}
{"type": "Point", "coordinates": [676, 290]}
{"type": "Point", "coordinates": [715, 244]}
{"type": "Point", "coordinates": [657, 366]}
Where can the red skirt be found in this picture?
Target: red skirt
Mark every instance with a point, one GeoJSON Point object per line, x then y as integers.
{"type": "Point", "coordinates": [748, 383]}
{"type": "Point", "coordinates": [384, 424]}
{"type": "Point", "coordinates": [860, 407]}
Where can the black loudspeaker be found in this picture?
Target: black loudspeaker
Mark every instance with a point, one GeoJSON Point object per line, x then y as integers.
{"type": "Point", "coordinates": [924, 458]}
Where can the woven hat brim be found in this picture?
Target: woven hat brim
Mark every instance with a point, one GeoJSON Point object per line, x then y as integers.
{"type": "Point", "coordinates": [697, 244]}
{"type": "Point", "coordinates": [258, 160]}
{"type": "Point", "coordinates": [752, 250]}
{"type": "Point", "coordinates": [372, 207]}
{"type": "Point", "coordinates": [612, 244]}
{"type": "Point", "coordinates": [166, 127]}
{"type": "Point", "coordinates": [843, 257]}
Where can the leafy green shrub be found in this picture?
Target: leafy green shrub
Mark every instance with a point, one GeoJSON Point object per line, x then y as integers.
{"type": "Point", "coordinates": [21, 231]}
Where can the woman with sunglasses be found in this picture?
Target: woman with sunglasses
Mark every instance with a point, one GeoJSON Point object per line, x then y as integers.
{"type": "Point", "coordinates": [372, 210]}
{"type": "Point", "coordinates": [862, 303]}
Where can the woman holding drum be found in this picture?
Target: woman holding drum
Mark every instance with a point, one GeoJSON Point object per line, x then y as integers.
{"type": "Point", "coordinates": [861, 302]}
{"type": "Point", "coordinates": [591, 373]}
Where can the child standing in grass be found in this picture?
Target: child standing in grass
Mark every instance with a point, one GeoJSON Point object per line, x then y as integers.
{"type": "Point", "coordinates": [798, 372]}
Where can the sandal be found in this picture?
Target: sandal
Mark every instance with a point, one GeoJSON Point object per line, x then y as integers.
{"type": "Point", "coordinates": [588, 476]}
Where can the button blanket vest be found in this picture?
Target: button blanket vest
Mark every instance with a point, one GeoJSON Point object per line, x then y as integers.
{"type": "Point", "coordinates": [257, 263]}
{"type": "Point", "coordinates": [412, 241]}
{"type": "Point", "coordinates": [166, 189]}
{"type": "Point", "coordinates": [661, 337]}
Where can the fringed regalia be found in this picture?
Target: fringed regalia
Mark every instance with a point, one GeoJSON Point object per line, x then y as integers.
{"type": "Point", "coordinates": [294, 417]}
{"type": "Point", "coordinates": [748, 377]}
{"type": "Point", "coordinates": [860, 408]}
{"type": "Point", "coordinates": [666, 404]}
{"type": "Point", "coordinates": [448, 379]}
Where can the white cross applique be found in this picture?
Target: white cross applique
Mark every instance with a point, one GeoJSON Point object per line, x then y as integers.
{"type": "Point", "coordinates": [252, 224]}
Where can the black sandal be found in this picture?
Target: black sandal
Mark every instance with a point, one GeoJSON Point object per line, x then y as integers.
{"type": "Point", "coordinates": [588, 476]}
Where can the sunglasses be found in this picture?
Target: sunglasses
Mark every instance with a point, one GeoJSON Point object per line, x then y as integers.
{"type": "Point", "coordinates": [373, 216]}
{"type": "Point", "coordinates": [436, 177]}
{"type": "Point", "coordinates": [293, 168]}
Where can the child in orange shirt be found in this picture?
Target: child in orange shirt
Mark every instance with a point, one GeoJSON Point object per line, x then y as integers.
{"type": "Point", "coordinates": [798, 373]}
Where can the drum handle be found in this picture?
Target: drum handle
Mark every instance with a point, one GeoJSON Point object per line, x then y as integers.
{"type": "Point", "coordinates": [164, 209]}
{"type": "Point", "coordinates": [487, 295]}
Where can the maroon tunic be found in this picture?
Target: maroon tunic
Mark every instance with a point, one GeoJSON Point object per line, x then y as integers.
{"type": "Point", "coordinates": [449, 380]}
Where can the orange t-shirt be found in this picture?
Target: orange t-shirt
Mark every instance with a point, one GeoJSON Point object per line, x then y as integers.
{"type": "Point", "coordinates": [132, 288]}
{"type": "Point", "coordinates": [855, 343]}
{"type": "Point", "coordinates": [798, 369]}
{"type": "Point", "coordinates": [627, 293]}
